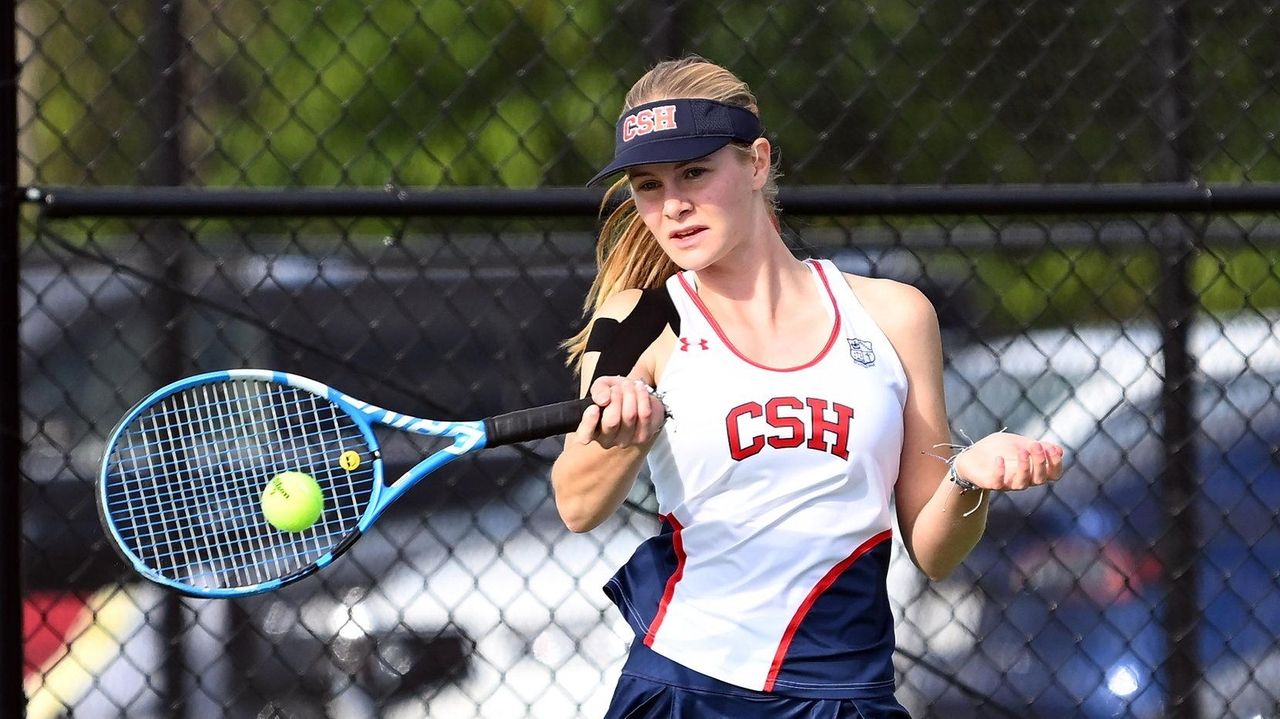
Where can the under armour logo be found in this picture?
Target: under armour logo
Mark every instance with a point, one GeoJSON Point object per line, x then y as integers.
{"type": "Point", "coordinates": [685, 344]}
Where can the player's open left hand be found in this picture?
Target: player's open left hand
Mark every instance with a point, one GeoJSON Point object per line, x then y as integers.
{"type": "Point", "coordinates": [625, 414]}
{"type": "Point", "coordinates": [1004, 462]}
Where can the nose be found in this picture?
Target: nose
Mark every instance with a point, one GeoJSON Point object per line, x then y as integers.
{"type": "Point", "coordinates": [674, 208]}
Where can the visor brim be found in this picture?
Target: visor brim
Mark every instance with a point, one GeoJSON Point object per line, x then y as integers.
{"type": "Point", "coordinates": [676, 149]}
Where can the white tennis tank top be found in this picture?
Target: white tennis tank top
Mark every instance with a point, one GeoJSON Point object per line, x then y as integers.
{"type": "Point", "coordinates": [774, 487]}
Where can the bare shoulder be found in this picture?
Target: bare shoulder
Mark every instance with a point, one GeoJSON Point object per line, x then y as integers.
{"type": "Point", "coordinates": [620, 304]}
{"type": "Point", "coordinates": [901, 311]}
{"type": "Point", "coordinates": [631, 337]}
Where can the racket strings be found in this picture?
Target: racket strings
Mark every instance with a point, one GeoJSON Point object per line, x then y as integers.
{"type": "Point", "coordinates": [184, 481]}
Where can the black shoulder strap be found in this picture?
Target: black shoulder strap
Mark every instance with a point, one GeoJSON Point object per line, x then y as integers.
{"type": "Point", "coordinates": [620, 344]}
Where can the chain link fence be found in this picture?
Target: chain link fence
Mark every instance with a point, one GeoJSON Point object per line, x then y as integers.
{"type": "Point", "coordinates": [1144, 584]}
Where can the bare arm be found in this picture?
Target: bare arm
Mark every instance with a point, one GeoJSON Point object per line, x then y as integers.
{"type": "Point", "coordinates": [601, 459]}
{"type": "Point", "coordinates": [931, 512]}
{"type": "Point", "coordinates": [939, 524]}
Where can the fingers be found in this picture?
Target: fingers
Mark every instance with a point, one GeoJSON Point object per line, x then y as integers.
{"type": "Point", "coordinates": [627, 408]}
{"type": "Point", "coordinates": [1038, 463]}
{"type": "Point", "coordinates": [1009, 462]}
{"type": "Point", "coordinates": [601, 389]}
{"type": "Point", "coordinates": [1035, 459]}
{"type": "Point", "coordinates": [626, 413]}
{"type": "Point", "coordinates": [1046, 463]}
{"type": "Point", "coordinates": [586, 430]}
{"type": "Point", "coordinates": [1057, 461]}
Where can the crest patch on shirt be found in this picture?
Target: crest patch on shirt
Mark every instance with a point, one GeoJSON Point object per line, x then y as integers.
{"type": "Point", "coordinates": [861, 352]}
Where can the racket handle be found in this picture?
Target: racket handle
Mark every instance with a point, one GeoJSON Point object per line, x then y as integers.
{"type": "Point", "coordinates": [535, 422]}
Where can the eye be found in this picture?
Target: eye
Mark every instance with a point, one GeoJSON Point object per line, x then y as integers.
{"type": "Point", "coordinates": [644, 186]}
{"type": "Point", "coordinates": [694, 173]}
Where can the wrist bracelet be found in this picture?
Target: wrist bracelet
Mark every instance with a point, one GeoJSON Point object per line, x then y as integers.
{"type": "Point", "coordinates": [965, 486]}
{"type": "Point", "coordinates": [953, 477]}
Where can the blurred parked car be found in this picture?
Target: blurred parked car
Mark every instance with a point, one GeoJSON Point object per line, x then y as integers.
{"type": "Point", "coordinates": [451, 339]}
{"type": "Point", "coordinates": [443, 341]}
{"type": "Point", "coordinates": [1073, 591]}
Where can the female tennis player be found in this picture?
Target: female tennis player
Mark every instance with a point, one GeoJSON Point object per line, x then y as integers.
{"type": "Point", "coordinates": [783, 408]}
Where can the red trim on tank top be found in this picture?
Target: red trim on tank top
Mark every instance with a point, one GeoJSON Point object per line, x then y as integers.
{"type": "Point", "coordinates": [823, 585]}
{"type": "Point", "coordinates": [677, 544]}
{"type": "Point", "coordinates": [831, 340]}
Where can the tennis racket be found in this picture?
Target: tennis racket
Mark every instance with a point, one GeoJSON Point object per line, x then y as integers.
{"type": "Point", "coordinates": [183, 473]}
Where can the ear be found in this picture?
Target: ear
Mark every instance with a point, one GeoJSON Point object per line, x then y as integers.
{"type": "Point", "coordinates": [761, 162]}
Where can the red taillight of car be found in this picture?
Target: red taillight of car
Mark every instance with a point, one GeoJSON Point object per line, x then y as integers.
{"type": "Point", "coordinates": [1071, 568]}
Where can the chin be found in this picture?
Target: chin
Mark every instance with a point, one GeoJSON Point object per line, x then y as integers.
{"type": "Point", "coordinates": [694, 258]}
{"type": "Point", "coordinates": [691, 260]}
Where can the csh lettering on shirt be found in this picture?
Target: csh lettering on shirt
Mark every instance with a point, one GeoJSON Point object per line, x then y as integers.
{"type": "Point", "coordinates": [786, 423]}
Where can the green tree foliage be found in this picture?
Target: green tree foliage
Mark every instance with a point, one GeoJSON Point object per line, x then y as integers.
{"type": "Point", "coordinates": [524, 93]}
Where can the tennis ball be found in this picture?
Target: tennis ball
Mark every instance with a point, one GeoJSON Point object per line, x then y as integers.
{"type": "Point", "coordinates": [292, 501]}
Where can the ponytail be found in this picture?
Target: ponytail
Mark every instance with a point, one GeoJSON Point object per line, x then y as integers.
{"type": "Point", "coordinates": [628, 257]}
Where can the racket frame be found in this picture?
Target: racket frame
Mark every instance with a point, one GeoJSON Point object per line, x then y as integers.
{"type": "Point", "coordinates": [468, 436]}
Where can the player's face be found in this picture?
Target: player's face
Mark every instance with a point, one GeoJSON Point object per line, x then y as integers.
{"type": "Point", "coordinates": [699, 210]}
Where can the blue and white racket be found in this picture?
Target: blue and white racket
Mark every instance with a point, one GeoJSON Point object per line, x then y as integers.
{"type": "Point", "coordinates": [183, 473]}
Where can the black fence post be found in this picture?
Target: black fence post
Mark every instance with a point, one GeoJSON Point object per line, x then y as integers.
{"type": "Point", "coordinates": [1179, 548]}
{"type": "Point", "coordinates": [664, 40]}
{"type": "Point", "coordinates": [12, 699]}
{"type": "Point", "coordinates": [164, 168]}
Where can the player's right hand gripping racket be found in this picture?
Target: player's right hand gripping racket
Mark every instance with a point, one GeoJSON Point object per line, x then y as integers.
{"type": "Point", "coordinates": [184, 471]}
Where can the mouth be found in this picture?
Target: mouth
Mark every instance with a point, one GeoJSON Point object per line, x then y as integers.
{"type": "Point", "coordinates": [686, 233]}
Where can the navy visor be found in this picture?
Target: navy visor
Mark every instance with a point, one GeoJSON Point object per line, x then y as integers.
{"type": "Point", "coordinates": [677, 131]}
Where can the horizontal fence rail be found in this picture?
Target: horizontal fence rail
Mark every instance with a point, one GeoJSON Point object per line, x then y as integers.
{"type": "Point", "coordinates": [67, 202]}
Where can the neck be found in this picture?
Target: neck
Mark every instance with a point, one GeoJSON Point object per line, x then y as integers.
{"type": "Point", "coordinates": [761, 266]}
{"type": "Point", "coordinates": [755, 280]}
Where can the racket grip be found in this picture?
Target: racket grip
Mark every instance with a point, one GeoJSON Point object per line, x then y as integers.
{"type": "Point", "coordinates": [535, 422]}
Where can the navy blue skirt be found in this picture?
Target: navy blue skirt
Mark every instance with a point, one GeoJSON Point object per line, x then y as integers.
{"type": "Point", "coordinates": [654, 687]}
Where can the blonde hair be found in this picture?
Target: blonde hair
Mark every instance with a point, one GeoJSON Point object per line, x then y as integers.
{"type": "Point", "coordinates": [627, 255]}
